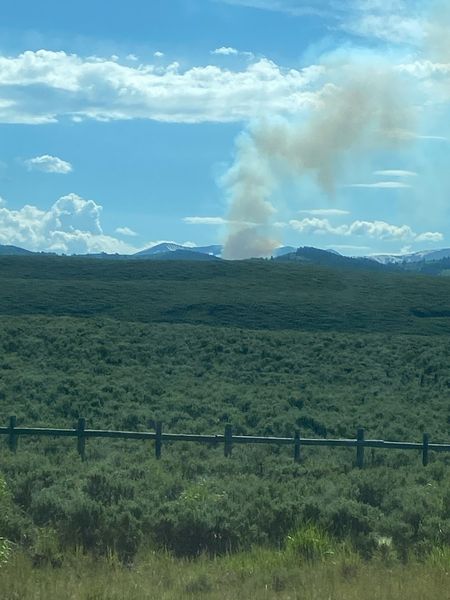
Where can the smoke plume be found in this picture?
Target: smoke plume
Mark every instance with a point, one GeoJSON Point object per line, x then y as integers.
{"type": "Point", "coordinates": [250, 182]}
{"type": "Point", "coordinates": [360, 108]}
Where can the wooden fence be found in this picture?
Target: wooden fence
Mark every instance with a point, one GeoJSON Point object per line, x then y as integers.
{"type": "Point", "coordinates": [228, 439]}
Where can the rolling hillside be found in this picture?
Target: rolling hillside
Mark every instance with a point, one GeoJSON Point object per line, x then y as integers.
{"type": "Point", "coordinates": [255, 294]}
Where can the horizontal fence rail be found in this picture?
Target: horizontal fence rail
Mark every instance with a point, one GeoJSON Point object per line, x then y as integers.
{"type": "Point", "coordinates": [228, 439]}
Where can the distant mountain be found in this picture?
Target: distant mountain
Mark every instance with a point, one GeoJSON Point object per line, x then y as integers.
{"type": "Point", "coordinates": [413, 257]}
{"type": "Point", "coordinates": [104, 255]}
{"type": "Point", "coordinates": [6, 250]}
{"type": "Point", "coordinates": [213, 250]}
{"type": "Point", "coordinates": [180, 254]}
{"type": "Point", "coordinates": [330, 258]}
{"type": "Point", "coordinates": [283, 250]}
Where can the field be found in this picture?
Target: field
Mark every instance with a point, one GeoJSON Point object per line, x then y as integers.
{"type": "Point", "coordinates": [266, 346]}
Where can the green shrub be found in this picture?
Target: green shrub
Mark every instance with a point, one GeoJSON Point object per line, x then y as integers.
{"type": "Point", "coordinates": [310, 543]}
{"type": "Point", "coordinates": [46, 549]}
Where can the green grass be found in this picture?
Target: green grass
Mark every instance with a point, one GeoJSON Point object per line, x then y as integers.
{"type": "Point", "coordinates": [258, 574]}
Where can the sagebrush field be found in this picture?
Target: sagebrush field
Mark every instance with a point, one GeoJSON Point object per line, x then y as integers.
{"type": "Point", "coordinates": [267, 347]}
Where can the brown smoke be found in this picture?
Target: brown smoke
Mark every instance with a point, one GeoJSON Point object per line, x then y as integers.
{"type": "Point", "coordinates": [359, 109]}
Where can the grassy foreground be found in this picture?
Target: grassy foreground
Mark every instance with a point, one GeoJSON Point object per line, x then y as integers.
{"type": "Point", "coordinates": [258, 574]}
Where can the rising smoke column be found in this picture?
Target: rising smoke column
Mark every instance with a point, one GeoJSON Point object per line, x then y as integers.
{"type": "Point", "coordinates": [360, 108]}
{"type": "Point", "coordinates": [249, 182]}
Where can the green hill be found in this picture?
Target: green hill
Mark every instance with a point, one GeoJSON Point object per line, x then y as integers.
{"type": "Point", "coordinates": [251, 294]}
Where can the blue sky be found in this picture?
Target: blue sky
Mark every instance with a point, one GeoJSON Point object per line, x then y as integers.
{"type": "Point", "coordinates": [251, 122]}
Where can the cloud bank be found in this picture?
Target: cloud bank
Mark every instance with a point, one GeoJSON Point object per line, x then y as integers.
{"type": "Point", "coordinates": [70, 226]}
{"type": "Point", "coordinates": [379, 230]}
{"type": "Point", "coordinates": [44, 86]}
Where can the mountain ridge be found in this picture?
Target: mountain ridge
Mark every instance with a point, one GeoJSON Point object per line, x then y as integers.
{"type": "Point", "coordinates": [436, 262]}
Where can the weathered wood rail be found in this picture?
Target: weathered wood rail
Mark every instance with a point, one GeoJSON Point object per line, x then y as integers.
{"type": "Point", "coordinates": [228, 439]}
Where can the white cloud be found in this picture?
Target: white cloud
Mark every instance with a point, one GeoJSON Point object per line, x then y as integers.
{"type": "Point", "coordinates": [49, 164]}
{"type": "Point", "coordinates": [325, 212]}
{"type": "Point", "coordinates": [373, 229]}
{"type": "Point", "coordinates": [387, 185]}
{"type": "Point", "coordinates": [396, 21]}
{"type": "Point", "coordinates": [71, 225]}
{"type": "Point", "coordinates": [423, 69]}
{"type": "Point", "coordinates": [2, 201]}
{"type": "Point", "coordinates": [436, 138]}
{"type": "Point", "coordinates": [205, 221]}
{"type": "Point", "coordinates": [395, 173]}
{"type": "Point", "coordinates": [221, 221]}
{"type": "Point", "coordinates": [394, 28]}
{"type": "Point", "coordinates": [292, 7]}
{"type": "Point", "coordinates": [125, 231]}
{"type": "Point", "coordinates": [380, 230]}
{"type": "Point", "coordinates": [225, 51]}
{"type": "Point", "coordinates": [158, 54]}
{"type": "Point", "coordinates": [315, 226]}
{"type": "Point", "coordinates": [430, 236]}
{"type": "Point", "coordinates": [132, 57]}
{"type": "Point", "coordinates": [44, 86]}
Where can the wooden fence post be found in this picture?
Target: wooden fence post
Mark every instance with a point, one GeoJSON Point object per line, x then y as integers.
{"type": "Point", "coordinates": [360, 448]}
{"type": "Point", "coordinates": [426, 442]}
{"type": "Point", "coordinates": [297, 447]}
{"type": "Point", "coordinates": [13, 438]}
{"type": "Point", "coordinates": [228, 440]}
{"type": "Point", "coordinates": [81, 440]}
{"type": "Point", "coordinates": [158, 440]}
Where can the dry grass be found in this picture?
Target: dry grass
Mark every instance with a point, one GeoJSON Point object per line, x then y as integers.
{"type": "Point", "coordinates": [259, 574]}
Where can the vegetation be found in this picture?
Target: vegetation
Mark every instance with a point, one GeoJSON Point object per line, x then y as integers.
{"type": "Point", "coordinates": [262, 574]}
{"type": "Point", "coordinates": [269, 347]}
{"type": "Point", "coordinates": [257, 294]}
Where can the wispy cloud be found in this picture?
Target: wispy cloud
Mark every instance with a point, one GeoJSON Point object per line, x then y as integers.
{"type": "Point", "coordinates": [382, 25]}
{"type": "Point", "coordinates": [126, 231]}
{"type": "Point", "coordinates": [395, 173]}
{"type": "Point", "coordinates": [348, 247]}
{"type": "Point", "coordinates": [320, 8]}
{"type": "Point", "coordinates": [325, 212]}
{"type": "Point", "coordinates": [387, 185]}
{"type": "Point", "coordinates": [49, 164]}
{"type": "Point", "coordinates": [205, 220]}
{"type": "Point", "coordinates": [395, 21]}
{"type": "Point", "coordinates": [436, 138]}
